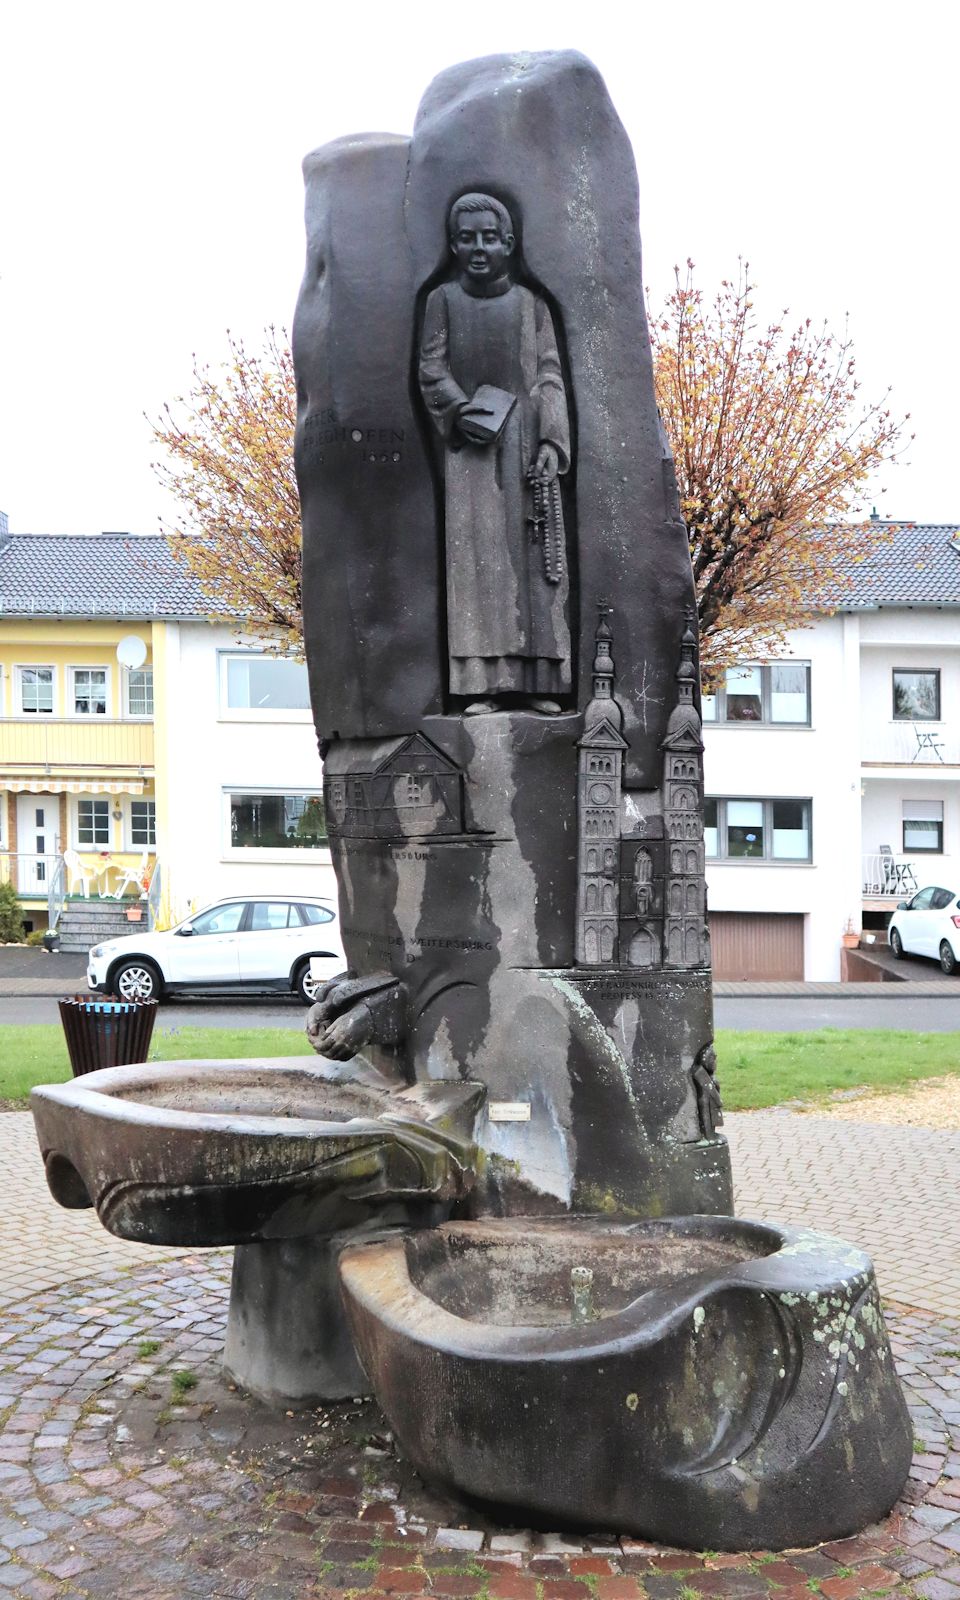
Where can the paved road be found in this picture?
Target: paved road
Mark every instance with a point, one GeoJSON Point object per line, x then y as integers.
{"type": "Point", "coordinates": [776, 1014]}
{"type": "Point", "coordinates": [887, 1007]}
{"type": "Point", "coordinates": [213, 1013]}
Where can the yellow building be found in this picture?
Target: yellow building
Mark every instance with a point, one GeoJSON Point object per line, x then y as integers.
{"type": "Point", "coordinates": [82, 624]}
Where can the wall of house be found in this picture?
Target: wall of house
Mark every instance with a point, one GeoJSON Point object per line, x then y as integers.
{"type": "Point", "coordinates": [819, 763]}
{"type": "Point", "coordinates": [907, 761]}
{"type": "Point", "coordinates": [204, 750]}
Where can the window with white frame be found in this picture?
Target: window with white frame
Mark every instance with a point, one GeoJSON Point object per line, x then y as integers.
{"type": "Point", "coordinates": [139, 686]}
{"type": "Point", "coordinates": [143, 824]}
{"type": "Point", "coordinates": [261, 686]}
{"type": "Point", "coordinates": [923, 827]}
{"type": "Point", "coordinates": [89, 691]}
{"type": "Point", "coordinates": [276, 821]}
{"type": "Point", "coordinates": [757, 830]}
{"type": "Point", "coordinates": [93, 824]}
{"type": "Point", "coordinates": [35, 691]}
{"type": "Point", "coordinates": [772, 692]}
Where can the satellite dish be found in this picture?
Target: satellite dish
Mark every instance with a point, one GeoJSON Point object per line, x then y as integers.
{"type": "Point", "coordinates": [131, 651]}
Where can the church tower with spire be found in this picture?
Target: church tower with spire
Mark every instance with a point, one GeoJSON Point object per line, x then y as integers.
{"type": "Point", "coordinates": [685, 939]}
{"type": "Point", "coordinates": [599, 782]}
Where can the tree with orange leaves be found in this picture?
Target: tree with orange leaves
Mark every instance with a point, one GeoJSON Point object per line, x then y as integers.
{"type": "Point", "coordinates": [231, 446]}
{"type": "Point", "coordinates": [773, 446]}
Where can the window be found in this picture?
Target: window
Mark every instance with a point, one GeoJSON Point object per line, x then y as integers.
{"type": "Point", "coordinates": [314, 914]}
{"type": "Point", "coordinates": [89, 691]}
{"type": "Point", "coordinates": [261, 686]}
{"type": "Point", "coordinates": [923, 827]}
{"type": "Point", "coordinates": [776, 692]}
{"type": "Point", "coordinates": [143, 822]}
{"type": "Point", "coordinates": [221, 919]}
{"type": "Point", "coordinates": [140, 692]}
{"type": "Point", "coordinates": [36, 690]}
{"type": "Point", "coordinates": [757, 830]}
{"type": "Point", "coordinates": [277, 822]}
{"type": "Point", "coordinates": [266, 915]}
{"type": "Point", "coordinates": [93, 823]}
{"type": "Point", "coordinates": [916, 696]}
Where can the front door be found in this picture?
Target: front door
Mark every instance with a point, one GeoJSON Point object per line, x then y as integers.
{"type": "Point", "coordinates": [38, 818]}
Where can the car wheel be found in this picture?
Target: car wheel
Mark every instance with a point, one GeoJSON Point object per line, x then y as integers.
{"type": "Point", "coordinates": [306, 986]}
{"type": "Point", "coordinates": [948, 960]}
{"type": "Point", "coordinates": [896, 945]}
{"type": "Point", "coordinates": [136, 980]}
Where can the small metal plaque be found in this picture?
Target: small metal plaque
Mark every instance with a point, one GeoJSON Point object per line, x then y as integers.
{"type": "Point", "coordinates": [509, 1110]}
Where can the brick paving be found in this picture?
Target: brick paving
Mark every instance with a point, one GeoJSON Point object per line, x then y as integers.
{"type": "Point", "coordinates": [41, 1245]}
{"type": "Point", "coordinates": [895, 1191]}
{"type": "Point", "coordinates": [128, 1467]}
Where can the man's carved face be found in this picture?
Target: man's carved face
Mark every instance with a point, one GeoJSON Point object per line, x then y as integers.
{"type": "Point", "coordinates": [480, 246]}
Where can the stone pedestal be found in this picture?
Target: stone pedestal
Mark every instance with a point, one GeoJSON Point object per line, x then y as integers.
{"type": "Point", "coordinates": [287, 1339]}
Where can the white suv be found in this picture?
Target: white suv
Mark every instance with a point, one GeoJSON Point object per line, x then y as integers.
{"type": "Point", "coordinates": [242, 942]}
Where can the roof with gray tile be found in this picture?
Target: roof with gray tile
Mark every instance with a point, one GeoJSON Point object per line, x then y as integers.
{"type": "Point", "coordinates": [918, 565]}
{"type": "Point", "coordinates": [120, 575]}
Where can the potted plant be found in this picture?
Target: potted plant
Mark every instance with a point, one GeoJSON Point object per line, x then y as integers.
{"type": "Point", "coordinates": [850, 938]}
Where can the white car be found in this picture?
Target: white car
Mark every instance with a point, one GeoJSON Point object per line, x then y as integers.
{"type": "Point", "coordinates": [928, 925]}
{"type": "Point", "coordinates": [241, 942]}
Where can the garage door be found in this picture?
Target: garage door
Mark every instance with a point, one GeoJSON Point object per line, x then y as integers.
{"type": "Point", "coordinates": [749, 944]}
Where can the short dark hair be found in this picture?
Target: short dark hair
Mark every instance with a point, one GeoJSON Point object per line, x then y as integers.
{"type": "Point", "coordinates": [480, 202]}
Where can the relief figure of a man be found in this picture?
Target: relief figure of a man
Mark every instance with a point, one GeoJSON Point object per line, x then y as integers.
{"type": "Point", "coordinates": [491, 380]}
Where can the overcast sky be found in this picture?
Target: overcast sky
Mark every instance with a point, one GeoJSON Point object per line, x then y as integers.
{"type": "Point", "coordinates": [150, 195]}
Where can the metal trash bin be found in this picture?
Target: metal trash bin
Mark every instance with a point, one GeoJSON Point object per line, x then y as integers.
{"type": "Point", "coordinates": [107, 1033]}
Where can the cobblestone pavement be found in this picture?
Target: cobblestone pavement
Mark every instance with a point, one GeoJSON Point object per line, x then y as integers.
{"type": "Point", "coordinates": [42, 1246]}
{"type": "Point", "coordinates": [893, 1191]}
{"type": "Point", "coordinates": [128, 1467]}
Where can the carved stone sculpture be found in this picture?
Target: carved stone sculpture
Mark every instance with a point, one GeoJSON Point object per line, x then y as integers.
{"type": "Point", "coordinates": [492, 383]}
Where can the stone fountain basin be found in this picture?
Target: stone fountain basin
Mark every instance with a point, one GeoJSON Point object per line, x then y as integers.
{"type": "Point", "coordinates": [732, 1389]}
{"type": "Point", "coordinates": [232, 1152]}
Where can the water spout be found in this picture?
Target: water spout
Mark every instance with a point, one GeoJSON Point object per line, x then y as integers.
{"type": "Point", "coordinates": [581, 1286]}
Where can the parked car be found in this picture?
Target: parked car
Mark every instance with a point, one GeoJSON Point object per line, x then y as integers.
{"type": "Point", "coordinates": [249, 942]}
{"type": "Point", "coordinates": [928, 925]}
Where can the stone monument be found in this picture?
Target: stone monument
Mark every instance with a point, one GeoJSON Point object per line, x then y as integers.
{"type": "Point", "coordinates": [501, 636]}
{"type": "Point", "coordinates": [501, 1191]}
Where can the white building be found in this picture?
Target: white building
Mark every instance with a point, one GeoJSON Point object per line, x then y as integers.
{"type": "Point", "coordinates": [244, 789]}
{"type": "Point", "coordinates": [832, 775]}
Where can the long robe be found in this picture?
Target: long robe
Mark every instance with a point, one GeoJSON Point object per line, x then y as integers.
{"type": "Point", "coordinates": [506, 622]}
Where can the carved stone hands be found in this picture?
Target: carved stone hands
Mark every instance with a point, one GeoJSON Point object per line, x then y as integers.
{"type": "Point", "coordinates": [546, 464]}
{"type": "Point", "coordinates": [340, 1038]}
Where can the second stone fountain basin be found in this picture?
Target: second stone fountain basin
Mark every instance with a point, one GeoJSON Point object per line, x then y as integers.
{"type": "Point", "coordinates": [696, 1380]}
{"type": "Point", "coordinates": [202, 1153]}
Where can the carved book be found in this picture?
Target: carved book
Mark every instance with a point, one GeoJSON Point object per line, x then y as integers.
{"type": "Point", "coordinates": [489, 410]}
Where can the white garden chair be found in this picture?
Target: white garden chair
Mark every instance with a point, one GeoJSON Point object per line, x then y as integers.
{"type": "Point", "coordinates": [134, 875]}
{"type": "Point", "coordinates": [76, 869]}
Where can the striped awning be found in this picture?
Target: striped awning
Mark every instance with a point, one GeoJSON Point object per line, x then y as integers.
{"type": "Point", "coordinates": [72, 785]}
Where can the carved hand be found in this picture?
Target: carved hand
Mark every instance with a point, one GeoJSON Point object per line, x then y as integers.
{"type": "Point", "coordinates": [547, 463]}
{"type": "Point", "coordinates": [342, 1038]}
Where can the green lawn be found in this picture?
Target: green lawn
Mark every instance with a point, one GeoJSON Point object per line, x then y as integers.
{"type": "Point", "coordinates": [755, 1069]}
{"type": "Point", "coordinates": [763, 1069]}
{"type": "Point", "coordinates": [38, 1054]}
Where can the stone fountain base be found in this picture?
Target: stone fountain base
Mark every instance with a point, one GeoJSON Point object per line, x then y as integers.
{"type": "Point", "coordinates": [272, 1157]}
{"type": "Point", "coordinates": [699, 1381]}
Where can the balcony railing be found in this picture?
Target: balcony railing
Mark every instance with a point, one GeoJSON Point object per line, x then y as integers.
{"type": "Point", "coordinates": [31, 875]}
{"type": "Point", "coordinates": [911, 744]}
{"type": "Point", "coordinates": [889, 877]}
{"type": "Point", "coordinates": [72, 742]}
